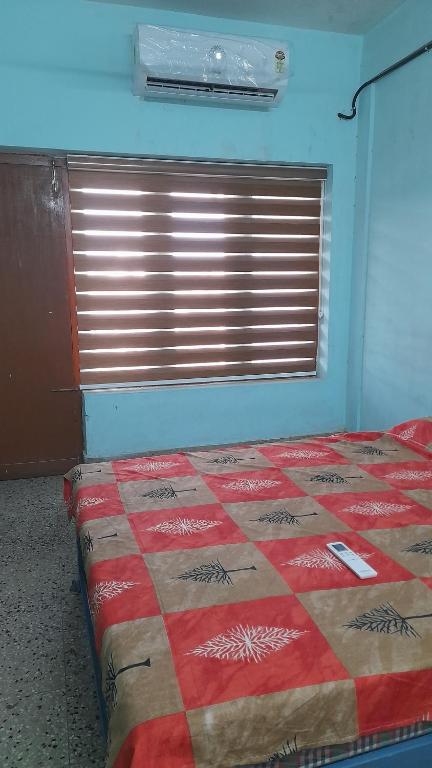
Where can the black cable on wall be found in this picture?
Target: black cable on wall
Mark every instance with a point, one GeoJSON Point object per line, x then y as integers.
{"type": "Point", "coordinates": [401, 63]}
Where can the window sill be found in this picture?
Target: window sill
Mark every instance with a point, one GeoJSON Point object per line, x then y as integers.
{"type": "Point", "coordinates": [147, 386]}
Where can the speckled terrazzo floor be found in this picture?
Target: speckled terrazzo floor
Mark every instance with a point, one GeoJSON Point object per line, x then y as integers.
{"type": "Point", "coordinates": [48, 709]}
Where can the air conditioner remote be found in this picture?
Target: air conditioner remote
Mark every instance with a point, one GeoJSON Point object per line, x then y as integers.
{"type": "Point", "coordinates": [351, 560]}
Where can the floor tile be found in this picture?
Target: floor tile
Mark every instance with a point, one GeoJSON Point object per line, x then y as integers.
{"type": "Point", "coordinates": [24, 596]}
{"type": "Point", "coordinates": [32, 656]}
{"type": "Point", "coordinates": [47, 675]}
{"type": "Point", "coordinates": [82, 680]}
{"type": "Point", "coordinates": [85, 739]}
{"type": "Point", "coordinates": [78, 670]}
{"type": "Point", "coordinates": [33, 731]}
{"type": "Point", "coordinates": [77, 653]}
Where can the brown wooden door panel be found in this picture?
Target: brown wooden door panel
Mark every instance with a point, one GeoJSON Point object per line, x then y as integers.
{"type": "Point", "coordinates": [41, 428]}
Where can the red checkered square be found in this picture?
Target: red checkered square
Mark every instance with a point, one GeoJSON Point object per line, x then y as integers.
{"type": "Point", "coordinates": [393, 700]}
{"type": "Point", "coordinates": [301, 454]}
{"type": "Point", "coordinates": [307, 565]}
{"type": "Point", "coordinates": [153, 467]}
{"type": "Point", "coordinates": [120, 590]}
{"type": "Point", "coordinates": [386, 509]}
{"type": "Point", "coordinates": [252, 486]}
{"type": "Point", "coordinates": [164, 742]}
{"type": "Point", "coordinates": [184, 528]}
{"type": "Point", "coordinates": [248, 649]}
{"type": "Point", "coordinates": [409, 474]}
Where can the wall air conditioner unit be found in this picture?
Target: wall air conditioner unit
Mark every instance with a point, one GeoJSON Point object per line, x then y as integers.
{"type": "Point", "coordinates": [185, 65]}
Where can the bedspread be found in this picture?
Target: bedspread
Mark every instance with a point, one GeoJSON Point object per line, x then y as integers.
{"type": "Point", "coordinates": [227, 633]}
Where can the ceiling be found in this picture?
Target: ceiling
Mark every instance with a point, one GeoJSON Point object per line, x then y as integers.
{"type": "Point", "coordinates": [350, 16]}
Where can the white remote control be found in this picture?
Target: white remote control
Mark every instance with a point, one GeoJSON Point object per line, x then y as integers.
{"type": "Point", "coordinates": [353, 561]}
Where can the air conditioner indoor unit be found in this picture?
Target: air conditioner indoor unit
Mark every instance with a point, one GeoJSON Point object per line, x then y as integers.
{"type": "Point", "coordinates": [184, 65]}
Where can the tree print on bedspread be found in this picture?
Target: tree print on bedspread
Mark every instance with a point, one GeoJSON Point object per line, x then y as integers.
{"type": "Point", "coordinates": [303, 453]}
{"type": "Point", "coordinates": [408, 433]}
{"type": "Point", "coordinates": [184, 526]}
{"type": "Point", "coordinates": [372, 450]}
{"type": "Point", "coordinates": [286, 750]}
{"type": "Point", "coordinates": [377, 508]}
{"type": "Point", "coordinates": [423, 547]}
{"type": "Point", "coordinates": [321, 558]}
{"type": "Point", "coordinates": [106, 590]}
{"type": "Point", "coordinates": [281, 517]}
{"type": "Point", "coordinates": [250, 486]}
{"type": "Point", "coordinates": [87, 541]}
{"type": "Point", "coordinates": [386, 620]}
{"type": "Point", "coordinates": [76, 510]}
{"type": "Point", "coordinates": [228, 458]}
{"type": "Point", "coordinates": [154, 466]}
{"type": "Point", "coordinates": [112, 675]}
{"type": "Point", "coordinates": [78, 474]}
{"type": "Point", "coordinates": [165, 492]}
{"type": "Point", "coordinates": [411, 474]}
{"type": "Point", "coordinates": [212, 573]}
{"type": "Point", "coordinates": [246, 643]}
{"type": "Point", "coordinates": [333, 477]}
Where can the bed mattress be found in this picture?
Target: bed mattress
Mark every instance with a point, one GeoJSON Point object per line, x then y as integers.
{"type": "Point", "coordinates": [227, 634]}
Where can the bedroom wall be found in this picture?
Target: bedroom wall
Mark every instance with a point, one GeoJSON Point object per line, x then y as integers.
{"type": "Point", "coordinates": [65, 76]}
{"type": "Point", "coordinates": [391, 366]}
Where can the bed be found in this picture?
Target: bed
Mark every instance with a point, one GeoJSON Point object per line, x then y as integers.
{"type": "Point", "coordinates": [225, 633]}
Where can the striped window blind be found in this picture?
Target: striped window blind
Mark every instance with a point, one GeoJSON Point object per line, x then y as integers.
{"type": "Point", "coordinates": [190, 270]}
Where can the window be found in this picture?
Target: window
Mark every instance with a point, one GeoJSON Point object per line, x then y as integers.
{"type": "Point", "coordinates": [191, 270]}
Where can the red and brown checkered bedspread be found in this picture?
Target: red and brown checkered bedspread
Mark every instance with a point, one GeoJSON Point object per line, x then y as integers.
{"type": "Point", "coordinates": [226, 631]}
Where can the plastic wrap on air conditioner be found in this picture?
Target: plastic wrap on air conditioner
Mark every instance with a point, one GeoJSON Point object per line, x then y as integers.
{"type": "Point", "coordinates": [180, 63]}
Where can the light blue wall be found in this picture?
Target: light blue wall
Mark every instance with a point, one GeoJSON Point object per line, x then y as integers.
{"type": "Point", "coordinates": [391, 376]}
{"type": "Point", "coordinates": [65, 70]}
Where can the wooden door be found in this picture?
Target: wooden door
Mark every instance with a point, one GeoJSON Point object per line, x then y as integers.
{"type": "Point", "coordinates": [40, 401]}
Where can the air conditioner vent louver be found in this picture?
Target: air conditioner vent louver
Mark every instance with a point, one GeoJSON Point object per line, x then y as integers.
{"type": "Point", "coordinates": [175, 64]}
{"type": "Point", "coordinates": [187, 87]}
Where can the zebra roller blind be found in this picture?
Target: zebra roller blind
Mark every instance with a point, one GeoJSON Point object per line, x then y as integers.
{"type": "Point", "coordinates": [193, 270]}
